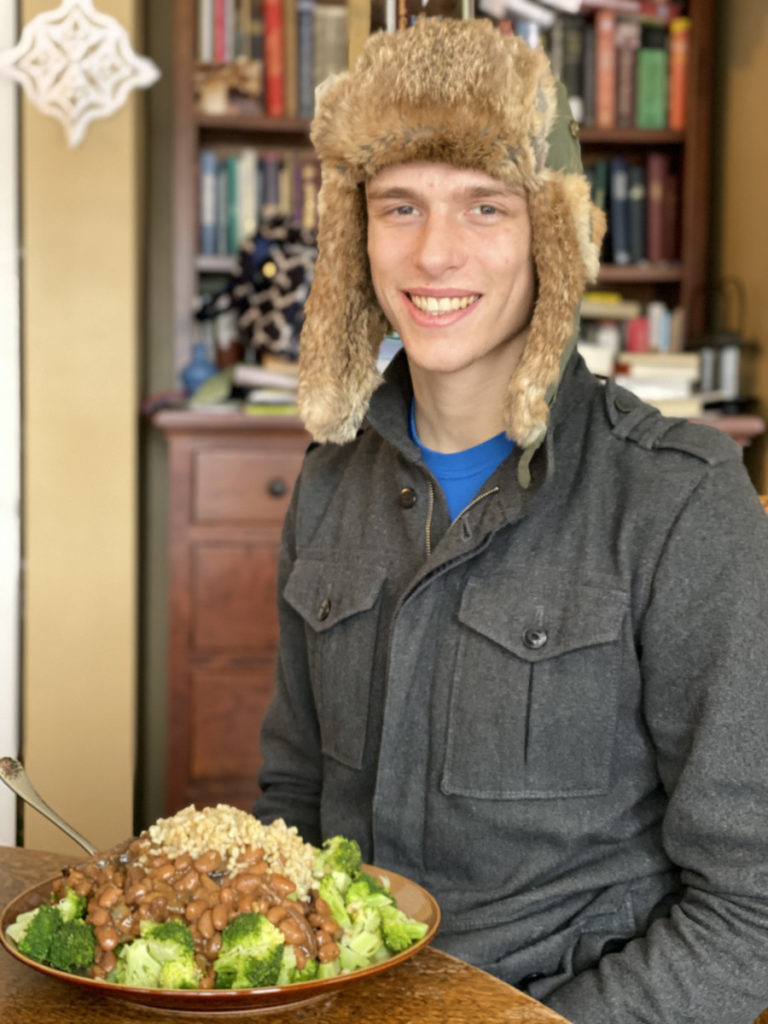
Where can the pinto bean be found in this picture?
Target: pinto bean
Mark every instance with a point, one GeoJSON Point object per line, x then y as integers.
{"type": "Point", "coordinates": [194, 909]}
{"type": "Point", "coordinates": [227, 895]}
{"type": "Point", "coordinates": [220, 916]}
{"type": "Point", "coordinates": [207, 861]}
{"type": "Point", "coordinates": [188, 881]}
{"type": "Point", "coordinates": [110, 896]}
{"type": "Point", "coordinates": [135, 893]}
{"type": "Point", "coordinates": [163, 872]}
{"type": "Point", "coordinates": [246, 883]}
{"type": "Point", "coordinates": [108, 961]}
{"type": "Point", "coordinates": [281, 884]}
{"type": "Point", "coordinates": [213, 945]}
{"type": "Point", "coordinates": [205, 924]}
{"type": "Point", "coordinates": [294, 936]}
{"type": "Point", "coordinates": [276, 914]}
{"type": "Point", "coordinates": [99, 916]}
{"type": "Point", "coordinates": [327, 952]}
{"type": "Point", "coordinates": [244, 903]}
{"type": "Point", "coordinates": [183, 863]}
{"type": "Point", "coordinates": [106, 936]}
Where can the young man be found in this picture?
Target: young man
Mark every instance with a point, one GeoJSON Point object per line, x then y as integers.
{"type": "Point", "coordinates": [523, 650]}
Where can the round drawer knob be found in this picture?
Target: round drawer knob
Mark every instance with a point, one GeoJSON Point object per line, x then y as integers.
{"type": "Point", "coordinates": [277, 487]}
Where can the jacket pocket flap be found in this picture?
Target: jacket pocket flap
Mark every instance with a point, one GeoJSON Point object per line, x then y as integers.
{"type": "Point", "coordinates": [543, 618]}
{"type": "Point", "coordinates": [325, 595]}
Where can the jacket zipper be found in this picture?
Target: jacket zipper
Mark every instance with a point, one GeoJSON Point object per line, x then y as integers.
{"type": "Point", "coordinates": [479, 497]}
{"type": "Point", "coordinates": [428, 528]}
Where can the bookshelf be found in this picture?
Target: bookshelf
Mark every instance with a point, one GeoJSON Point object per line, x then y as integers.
{"type": "Point", "coordinates": [680, 280]}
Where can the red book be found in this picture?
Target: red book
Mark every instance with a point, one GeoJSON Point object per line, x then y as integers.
{"type": "Point", "coordinates": [656, 172]}
{"type": "Point", "coordinates": [637, 336]}
{"type": "Point", "coordinates": [679, 57]}
{"type": "Point", "coordinates": [605, 69]}
{"type": "Point", "coordinates": [220, 49]}
{"type": "Point", "coordinates": [274, 64]}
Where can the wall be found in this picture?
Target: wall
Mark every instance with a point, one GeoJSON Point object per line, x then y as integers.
{"type": "Point", "coordinates": [9, 430]}
{"type": "Point", "coordinates": [81, 211]}
{"type": "Point", "coordinates": [740, 224]}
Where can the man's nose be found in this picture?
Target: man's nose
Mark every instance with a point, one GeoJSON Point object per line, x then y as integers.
{"type": "Point", "coordinates": [440, 246]}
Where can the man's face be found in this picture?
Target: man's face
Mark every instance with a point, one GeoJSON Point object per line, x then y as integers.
{"type": "Point", "coordinates": [451, 263]}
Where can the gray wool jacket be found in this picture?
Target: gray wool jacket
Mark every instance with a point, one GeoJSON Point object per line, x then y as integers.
{"type": "Point", "coordinates": [552, 712]}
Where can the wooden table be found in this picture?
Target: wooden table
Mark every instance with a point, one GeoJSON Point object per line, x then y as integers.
{"type": "Point", "coordinates": [431, 988]}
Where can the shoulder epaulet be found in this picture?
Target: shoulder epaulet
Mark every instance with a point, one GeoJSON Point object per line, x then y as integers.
{"type": "Point", "coordinates": [635, 420]}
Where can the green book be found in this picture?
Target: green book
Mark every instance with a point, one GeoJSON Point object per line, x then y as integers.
{"type": "Point", "coordinates": [651, 92]}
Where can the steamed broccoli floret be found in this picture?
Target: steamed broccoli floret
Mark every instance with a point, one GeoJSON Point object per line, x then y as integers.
{"type": "Point", "coordinates": [290, 973]}
{"type": "Point", "coordinates": [367, 890]}
{"type": "Point", "coordinates": [71, 905]}
{"type": "Point", "coordinates": [364, 937]}
{"type": "Point", "coordinates": [72, 945]}
{"type": "Point", "coordinates": [398, 930]}
{"type": "Point", "coordinates": [341, 858]}
{"type": "Point", "coordinates": [162, 957]}
{"type": "Point", "coordinates": [35, 941]}
{"type": "Point", "coordinates": [329, 970]}
{"type": "Point", "coordinates": [251, 953]}
{"type": "Point", "coordinates": [136, 966]}
{"type": "Point", "coordinates": [329, 891]}
{"type": "Point", "coordinates": [168, 940]}
{"type": "Point", "coordinates": [179, 974]}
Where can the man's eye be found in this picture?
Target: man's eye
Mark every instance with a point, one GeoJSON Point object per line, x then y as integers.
{"type": "Point", "coordinates": [487, 209]}
{"type": "Point", "coordinates": [405, 210]}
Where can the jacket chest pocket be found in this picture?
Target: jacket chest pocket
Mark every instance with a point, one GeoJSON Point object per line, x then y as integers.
{"type": "Point", "coordinates": [340, 608]}
{"type": "Point", "coordinates": [534, 696]}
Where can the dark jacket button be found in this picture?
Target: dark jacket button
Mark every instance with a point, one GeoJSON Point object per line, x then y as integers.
{"type": "Point", "coordinates": [324, 610]}
{"type": "Point", "coordinates": [407, 497]}
{"type": "Point", "coordinates": [534, 638]}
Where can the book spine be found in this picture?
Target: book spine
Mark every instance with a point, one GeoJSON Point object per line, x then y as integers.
{"type": "Point", "coordinates": [655, 11]}
{"type": "Point", "coordinates": [257, 30]}
{"type": "Point", "coordinates": [208, 167]}
{"type": "Point", "coordinates": [619, 212]}
{"type": "Point", "coordinates": [222, 209]}
{"type": "Point", "coordinates": [274, 67]}
{"type": "Point", "coordinates": [573, 65]}
{"type": "Point", "coordinates": [588, 75]}
{"type": "Point", "coordinates": [652, 73]}
{"type": "Point", "coordinates": [636, 200]}
{"type": "Point", "coordinates": [331, 51]}
{"type": "Point", "coordinates": [679, 58]}
{"type": "Point", "coordinates": [233, 204]}
{"type": "Point", "coordinates": [628, 37]}
{"type": "Point", "coordinates": [220, 31]}
{"type": "Point", "coordinates": [358, 28]}
{"type": "Point", "coordinates": [270, 183]}
{"type": "Point", "coordinates": [290, 58]}
{"type": "Point", "coordinates": [636, 337]}
{"type": "Point", "coordinates": [657, 168]}
{"type": "Point", "coordinates": [605, 69]}
{"type": "Point", "coordinates": [305, 31]}
{"type": "Point", "coordinates": [248, 191]}
{"type": "Point", "coordinates": [205, 31]}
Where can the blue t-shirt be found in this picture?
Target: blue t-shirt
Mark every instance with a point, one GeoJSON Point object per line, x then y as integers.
{"type": "Point", "coordinates": [462, 474]}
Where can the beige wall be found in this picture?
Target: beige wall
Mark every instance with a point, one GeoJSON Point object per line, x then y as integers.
{"type": "Point", "coordinates": [741, 160]}
{"type": "Point", "coordinates": [80, 298]}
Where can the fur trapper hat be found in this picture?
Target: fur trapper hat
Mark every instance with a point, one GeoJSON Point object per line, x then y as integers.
{"type": "Point", "coordinates": [461, 93]}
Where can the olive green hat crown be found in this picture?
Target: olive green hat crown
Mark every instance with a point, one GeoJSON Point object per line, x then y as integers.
{"type": "Point", "coordinates": [464, 94]}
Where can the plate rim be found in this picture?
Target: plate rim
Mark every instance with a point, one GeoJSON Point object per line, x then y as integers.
{"type": "Point", "coordinates": [223, 1000]}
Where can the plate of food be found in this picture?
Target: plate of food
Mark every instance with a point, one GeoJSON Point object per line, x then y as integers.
{"type": "Point", "coordinates": [212, 910]}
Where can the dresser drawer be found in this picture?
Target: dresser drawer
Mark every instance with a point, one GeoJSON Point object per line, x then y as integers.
{"type": "Point", "coordinates": [244, 485]}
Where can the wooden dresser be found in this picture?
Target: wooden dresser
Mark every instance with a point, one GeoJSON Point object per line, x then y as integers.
{"type": "Point", "coordinates": [230, 482]}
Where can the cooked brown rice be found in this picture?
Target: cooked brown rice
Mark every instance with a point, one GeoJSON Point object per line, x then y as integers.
{"type": "Point", "coordinates": [231, 831]}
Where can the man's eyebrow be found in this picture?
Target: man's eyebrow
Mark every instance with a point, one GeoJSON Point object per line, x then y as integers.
{"type": "Point", "coordinates": [470, 192]}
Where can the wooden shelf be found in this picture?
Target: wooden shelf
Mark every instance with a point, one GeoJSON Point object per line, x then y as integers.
{"type": "Point", "coordinates": [249, 123]}
{"type": "Point", "coordinates": [612, 137]}
{"type": "Point", "coordinates": [641, 273]}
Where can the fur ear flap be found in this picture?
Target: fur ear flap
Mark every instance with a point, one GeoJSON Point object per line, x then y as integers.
{"type": "Point", "coordinates": [337, 369]}
{"type": "Point", "coordinates": [565, 256]}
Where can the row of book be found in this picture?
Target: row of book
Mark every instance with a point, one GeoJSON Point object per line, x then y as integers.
{"type": "Point", "coordinates": [624, 64]}
{"type": "Point", "coordinates": [240, 188]}
{"type": "Point", "coordinates": [267, 56]}
{"type": "Point", "coordinates": [641, 200]}
{"type": "Point", "coordinates": [618, 324]}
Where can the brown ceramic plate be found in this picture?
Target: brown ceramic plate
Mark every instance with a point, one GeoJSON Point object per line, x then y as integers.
{"type": "Point", "coordinates": [411, 898]}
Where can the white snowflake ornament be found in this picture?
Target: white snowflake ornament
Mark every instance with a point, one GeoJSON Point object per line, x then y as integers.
{"type": "Point", "coordinates": [77, 65]}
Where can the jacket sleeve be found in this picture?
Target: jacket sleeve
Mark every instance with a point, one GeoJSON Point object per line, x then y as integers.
{"type": "Point", "coordinates": [291, 775]}
{"type": "Point", "coordinates": [704, 657]}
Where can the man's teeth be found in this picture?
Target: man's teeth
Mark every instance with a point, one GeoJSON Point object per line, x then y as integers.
{"type": "Point", "coordinates": [430, 304]}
